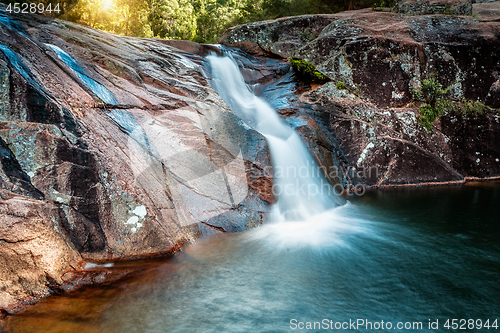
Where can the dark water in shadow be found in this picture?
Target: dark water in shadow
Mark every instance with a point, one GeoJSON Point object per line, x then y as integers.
{"type": "Point", "coordinates": [397, 256]}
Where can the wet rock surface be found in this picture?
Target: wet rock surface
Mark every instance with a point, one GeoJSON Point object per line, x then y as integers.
{"type": "Point", "coordinates": [112, 148]}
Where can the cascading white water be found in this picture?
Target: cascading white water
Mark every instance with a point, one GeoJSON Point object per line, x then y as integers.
{"type": "Point", "coordinates": [301, 189]}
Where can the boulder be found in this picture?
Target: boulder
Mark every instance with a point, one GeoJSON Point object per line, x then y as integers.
{"type": "Point", "coordinates": [486, 10]}
{"type": "Point", "coordinates": [370, 130]}
{"type": "Point", "coordinates": [34, 250]}
{"type": "Point", "coordinates": [382, 55]}
{"type": "Point", "coordinates": [113, 148]}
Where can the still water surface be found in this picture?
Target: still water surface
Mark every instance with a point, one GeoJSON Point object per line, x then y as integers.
{"type": "Point", "coordinates": [398, 256]}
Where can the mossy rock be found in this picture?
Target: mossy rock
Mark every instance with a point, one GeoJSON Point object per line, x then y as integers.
{"type": "Point", "coordinates": [308, 71]}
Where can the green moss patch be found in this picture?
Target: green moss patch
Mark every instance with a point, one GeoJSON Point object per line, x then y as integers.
{"type": "Point", "coordinates": [307, 71]}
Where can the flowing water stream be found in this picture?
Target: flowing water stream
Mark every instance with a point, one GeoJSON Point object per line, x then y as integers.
{"type": "Point", "coordinates": [297, 175]}
{"type": "Point", "coordinates": [397, 256]}
{"type": "Point", "coordinates": [401, 256]}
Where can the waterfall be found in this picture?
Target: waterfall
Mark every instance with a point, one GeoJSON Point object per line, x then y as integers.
{"type": "Point", "coordinates": [300, 187]}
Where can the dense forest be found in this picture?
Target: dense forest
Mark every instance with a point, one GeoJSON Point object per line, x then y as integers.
{"type": "Point", "coordinates": [197, 20]}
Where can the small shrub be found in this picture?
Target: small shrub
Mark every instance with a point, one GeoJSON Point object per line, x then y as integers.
{"type": "Point", "coordinates": [340, 85]}
{"type": "Point", "coordinates": [474, 107]}
{"type": "Point", "coordinates": [431, 94]}
{"type": "Point", "coordinates": [307, 70]}
{"type": "Point", "coordinates": [429, 114]}
{"type": "Point", "coordinates": [466, 106]}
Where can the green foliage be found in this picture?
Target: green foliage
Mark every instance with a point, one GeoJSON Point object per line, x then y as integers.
{"type": "Point", "coordinates": [307, 70]}
{"type": "Point", "coordinates": [202, 21]}
{"type": "Point", "coordinates": [431, 93]}
{"type": "Point", "coordinates": [429, 114]}
{"type": "Point", "coordinates": [282, 8]}
{"type": "Point", "coordinates": [125, 17]}
{"type": "Point", "coordinates": [214, 17]}
{"type": "Point", "coordinates": [466, 107]}
{"type": "Point", "coordinates": [340, 85]}
{"type": "Point", "coordinates": [384, 3]}
{"type": "Point", "coordinates": [472, 107]}
{"type": "Point", "coordinates": [174, 19]}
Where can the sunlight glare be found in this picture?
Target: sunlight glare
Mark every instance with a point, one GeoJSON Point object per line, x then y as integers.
{"type": "Point", "coordinates": [107, 4]}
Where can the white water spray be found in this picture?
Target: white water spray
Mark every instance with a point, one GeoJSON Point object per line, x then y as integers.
{"type": "Point", "coordinates": [302, 191]}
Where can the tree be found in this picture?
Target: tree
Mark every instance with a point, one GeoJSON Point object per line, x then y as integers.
{"type": "Point", "coordinates": [172, 19]}
{"type": "Point", "coordinates": [133, 14]}
{"type": "Point", "coordinates": [203, 21]}
{"type": "Point", "coordinates": [214, 17]}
